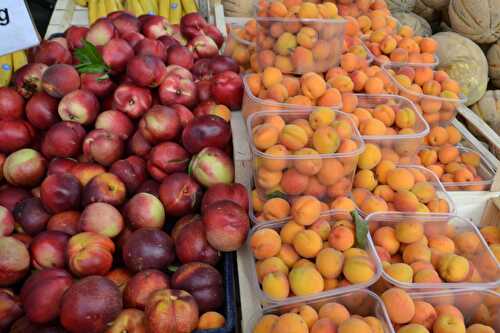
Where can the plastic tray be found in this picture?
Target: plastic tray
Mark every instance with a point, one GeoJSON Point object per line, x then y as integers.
{"type": "Point", "coordinates": [484, 170]}
{"type": "Point", "coordinates": [483, 260]}
{"type": "Point", "coordinates": [359, 302]}
{"type": "Point", "coordinates": [238, 48]}
{"type": "Point", "coordinates": [440, 192]}
{"type": "Point", "coordinates": [449, 106]}
{"type": "Point", "coordinates": [330, 33]}
{"type": "Point", "coordinates": [403, 144]}
{"type": "Point", "coordinates": [229, 310]}
{"type": "Point", "coordinates": [348, 160]}
{"type": "Point", "coordinates": [267, 301]}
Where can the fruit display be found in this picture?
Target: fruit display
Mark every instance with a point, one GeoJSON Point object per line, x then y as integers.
{"type": "Point", "coordinates": [357, 311]}
{"type": "Point", "coordinates": [295, 260]}
{"type": "Point", "coordinates": [420, 252]}
{"type": "Point", "coordinates": [118, 199]}
{"type": "Point", "coordinates": [457, 311]}
{"type": "Point", "coordinates": [305, 167]}
{"type": "Point", "coordinates": [240, 45]}
{"type": "Point", "coordinates": [10, 63]}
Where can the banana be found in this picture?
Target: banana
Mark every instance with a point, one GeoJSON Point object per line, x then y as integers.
{"type": "Point", "coordinates": [154, 4]}
{"type": "Point", "coordinates": [136, 8]}
{"type": "Point", "coordinates": [5, 70]}
{"type": "Point", "coordinates": [175, 13]}
{"type": "Point", "coordinates": [92, 11]}
{"type": "Point", "coordinates": [119, 4]}
{"type": "Point", "coordinates": [164, 8]}
{"type": "Point", "coordinates": [147, 6]}
{"type": "Point", "coordinates": [82, 3]}
{"type": "Point", "coordinates": [101, 9]}
{"type": "Point", "coordinates": [110, 6]}
{"type": "Point", "coordinates": [189, 6]}
{"type": "Point", "coordinates": [19, 59]}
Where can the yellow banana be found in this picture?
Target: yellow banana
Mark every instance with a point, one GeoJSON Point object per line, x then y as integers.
{"type": "Point", "coordinates": [136, 8]}
{"type": "Point", "coordinates": [164, 8]}
{"type": "Point", "coordinates": [175, 13]}
{"type": "Point", "coordinates": [110, 6]}
{"type": "Point", "coordinates": [189, 6]}
{"type": "Point", "coordinates": [119, 4]}
{"type": "Point", "coordinates": [154, 4]}
{"type": "Point", "coordinates": [5, 70]}
{"type": "Point", "coordinates": [82, 3]}
{"type": "Point", "coordinates": [101, 9]}
{"type": "Point", "coordinates": [147, 6]}
{"type": "Point", "coordinates": [19, 59]}
{"type": "Point", "coordinates": [92, 11]}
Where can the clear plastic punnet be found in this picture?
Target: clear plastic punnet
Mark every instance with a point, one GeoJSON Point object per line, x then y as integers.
{"type": "Point", "coordinates": [474, 174]}
{"type": "Point", "coordinates": [452, 241]}
{"type": "Point", "coordinates": [404, 141]}
{"type": "Point", "coordinates": [318, 48]}
{"type": "Point", "coordinates": [295, 278]}
{"type": "Point", "coordinates": [289, 164]}
{"type": "Point", "coordinates": [239, 45]}
{"type": "Point", "coordinates": [444, 202]}
{"type": "Point", "coordinates": [359, 302]}
{"type": "Point", "coordinates": [436, 109]}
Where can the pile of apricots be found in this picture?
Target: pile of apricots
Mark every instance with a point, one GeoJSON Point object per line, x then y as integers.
{"type": "Point", "coordinates": [457, 312]}
{"type": "Point", "coordinates": [491, 235]}
{"type": "Point", "coordinates": [304, 257]}
{"type": "Point", "coordinates": [291, 161]}
{"type": "Point", "coordinates": [432, 252]}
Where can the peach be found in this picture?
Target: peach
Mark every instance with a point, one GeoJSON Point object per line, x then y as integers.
{"type": "Point", "coordinates": [335, 312]}
{"type": "Point", "coordinates": [370, 157]}
{"type": "Point", "coordinates": [326, 140]}
{"type": "Point", "coordinates": [400, 271]}
{"type": "Point", "coordinates": [354, 325]}
{"type": "Point", "coordinates": [265, 243]}
{"type": "Point", "coordinates": [306, 280]}
{"type": "Point", "coordinates": [278, 162]}
{"type": "Point", "coordinates": [307, 243]}
{"type": "Point", "coordinates": [265, 136]}
{"type": "Point", "coordinates": [374, 204]}
{"type": "Point", "coordinates": [416, 252]}
{"type": "Point", "coordinates": [275, 285]}
{"type": "Point", "coordinates": [399, 305]}
{"type": "Point", "coordinates": [358, 269]}
{"type": "Point", "coordinates": [400, 179]}
{"type": "Point", "coordinates": [293, 137]}
{"type": "Point", "coordinates": [448, 324]}
{"type": "Point", "coordinates": [270, 265]}
{"type": "Point", "coordinates": [266, 324]}
{"type": "Point", "coordinates": [453, 268]}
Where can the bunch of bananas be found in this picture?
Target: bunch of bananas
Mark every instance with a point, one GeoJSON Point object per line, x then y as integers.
{"type": "Point", "coordinates": [10, 63]}
{"type": "Point", "coordinates": [172, 10]}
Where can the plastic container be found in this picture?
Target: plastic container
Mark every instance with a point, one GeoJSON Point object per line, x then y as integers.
{"type": "Point", "coordinates": [436, 110]}
{"type": "Point", "coordinates": [276, 44]}
{"type": "Point", "coordinates": [438, 186]}
{"type": "Point", "coordinates": [366, 42]}
{"type": "Point", "coordinates": [359, 302]}
{"type": "Point", "coordinates": [403, 144]}
{"type": "Point", "coordinates": [267, 179]}
{"type": "Point", "coordinates": [252, 104]}
{"type": "Point", "coordinates": [229, 311]}
{"type": "Point", "coordinates": [485, 171]}
{"type": "Point", "coordinates": [471, 303]}
{"type": "Point", "coordinates": [238, 48]}
{"type": "Point", "coordinates": [482, 258]}
{"type": "Point", "coordinates": [266, 301]}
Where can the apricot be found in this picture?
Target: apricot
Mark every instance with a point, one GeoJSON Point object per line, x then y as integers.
{"type": "Point", "coordinates": [275, 285]}
{"type": "Point", "coordinates": [463, 175]}
{"type": "Point", "coordinates": [331, 97]}
{"type": "Point", "coordinates": [275, 209]}
{"type": "Point", "coordinates": [268, 179]}
{"type": "Point", "coordinates": [307, 243]}
{"type": "Point", "coordinates": [416, 252]}
{"type": "Point", "coordinates": [335, 312]}
{"type": "Point", "coordinates": [254, 83]}
{"type": "Point", "coordinates": [322, 228]}
{"type": "Point", "coordinates": [382, 170]}
{"type": "Point", "coordinates": [313, 85]}
{"type": "Point", "coordinates": [425, 314]}
{"type": "Point", "coordinates": [271, 76]}
{"type": "Point", "coordinates": [400, 271]}
{"type": "Point", "coordinates": [399, 305]}
{"type": "Point", "coordinates": [413, 328]}
{"type": "Point", "coordinates": [349, 102]}
{"type": "Point", "coordinates": [310, 162]}
{"type": "Point", "coordinates": [428, 157]}
{"type": "Point", "coordinates": [305, 210]}
{"type": "Point", "coordinates": [278, 162]}
{"type": "Point", "coordinates": [438, 206]}
{"type": "Point", "coordinates": [405, 118]}
{"type": "Point", "coordinates": [326, 140]}
{"type": "Point", "coordinates": [454, 136]}
{"type": "Point", "coordinates": [315, 188]}
{"type": "Point", "coordinates": [302, 60]}
{"type": "Point", "coordinates": [292, 84]}
{"type": "Point", "coordinates": [450, 310]}
{"type": "Point", "coordinates": [341, 238]}
{"type": "Point", "coordinates": [265, 136]}
{"type": "Point", "coordinates": [409, 232]}
{"type": "Point", "coordinates": [354, 325]}
{"type": "Point", "coordinates": [342, 83]}
{"type": "Point", "coordinates": [304, 124]}
{"type": "Point", "coordinates": [437, 136]}
{"type": "Point", "coordinates": [424, 191]}
{"type": "Point", "coordinates": [328, 10]}
{"type": "Point", "coordinates": [321, 117]}
{"type": "Point", "coordinates": [265, 324]}
{"type": "Point", "coordinates": [423, 74]}
{"type": "Point", "coordinates": [306, 280]}
{"type": "Point", "coordinates": [374, 85]}
{"type": "Point", "coordinates": [304, 263]}
{"type": "Point", "coordinates": [288, 255]}
{"type": "Point", "coordinates": [270, 265]}
{"type": "Point", "coordinates": [358, 269]}
{"type": "Point", "coordinates": [372, 126]}
{"type": "Point", "coordinates": [339, 188]}
{"type": "Point", "coordinates": [491, 234]}
{"type": "Point", "coordinates": [448, 153]}
{"type": "Point", "coordinates": [329, 263]}
{"type": "Point", "coordinates": [400, 179]}
{"type": "Point", "coordinates": [442, 243]}
{"type": "Point", "coordinates": [427, 275]}
{"type": "Point", "coordinates": [448, 324]}
{"type": "Point", "coordinates": [278, 93]}
{"type": "Point", "coordinates": [277, 9]}
{"type": "Point", "coordinates": [453, 268]}
{"type": "Point", "coordinates": [265, 243]}
{"type": "Point", "coordinates": [370, 157]}
{"type": "Point", "coordinates": [374, 204]}
{"type": "Point", "coordinates": [468, 242]}
{"type": "Point", "coordinates": [324, 325]}
{"type": "Point", "coordinates": [293, 137]}
{"type": "Point", "coordinates": [294, 182]}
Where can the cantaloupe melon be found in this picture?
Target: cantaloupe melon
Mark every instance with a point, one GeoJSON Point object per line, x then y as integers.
{"type": "Point", "coordinates": [488, 108]}
{"type": "Point", "coordinates": [436, 4]}
{"type": "Point", "coordinates": [464, 61]}
{"type": "Point", "coordinates": [493, 56]}
{"type": "Point", "coordinates": [420, 26]}
{"type": "Point", "coordinates": [400, 5]}
{"type": "Point", "coordinates": [428, 13]}
{"type": "Point", "coordinates": [478, 20]}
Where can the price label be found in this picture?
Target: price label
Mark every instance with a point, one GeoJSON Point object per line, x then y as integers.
{"type": "Point", "coordinates": [17, 30]}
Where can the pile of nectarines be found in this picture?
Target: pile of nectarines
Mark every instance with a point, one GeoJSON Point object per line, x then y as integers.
{"type": "Point", "coordinates": [306, 256]}
{"type": "Point", "coordinates": [302, 154]}
{"type": "Point", "coordinates": [418, 251]}
{"type": "Point", "coordinates": [446, 312]}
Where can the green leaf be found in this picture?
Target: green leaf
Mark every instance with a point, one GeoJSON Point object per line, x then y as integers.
{"type": "Point", "coordinates": [90, 59]}
{"type": "Point", "coordinates": [361, 230]}
{"type": "Point", "coordinates": [276, 194]}
{"type": "Point", "coordinates": [172, 268]}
